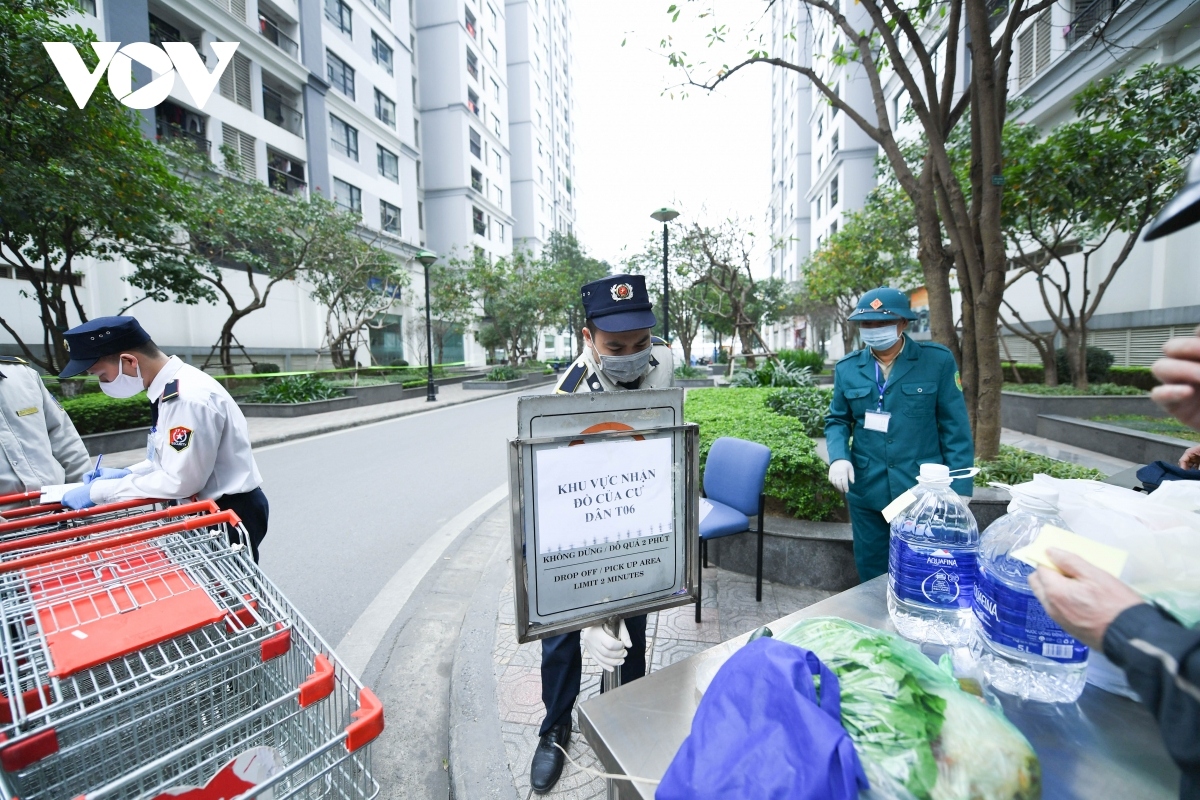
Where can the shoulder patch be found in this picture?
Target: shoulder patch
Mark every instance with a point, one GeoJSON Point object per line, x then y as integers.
{"type": "Point", "coordinates": [657, 340]}
{"type": "Point", "coordinates": [170, 391]}
{"type": "Point", "coordinates": [571, 381]}
{"type": "Point", "coordinates": [179, 438]}
{"type": "Point", "coordinates": [958, 379]}
{"type": "Point", "coordinates": [13, 360]}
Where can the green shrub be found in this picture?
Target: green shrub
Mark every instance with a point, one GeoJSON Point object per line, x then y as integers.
{"type": "Point", "coordinates": [294, 389]}
{"type": "Point", "coordinates": [504, 373]}
{"type": "Point", "coordinates": [802, 358]}
{"type": "Point", "coordinates": [797, 475]}
{"type": "Point", "coordinates": [1014, 465]}
{"type": "Point", "coordinates": [1139, 377]}
{"type": "Point", "coordinates": [809, 404]}
{"type": "Point", "coordinates": [688, 372]}
{"type": "Point", "coordinates": [1098, 360]}
{"type": "Point", "coordinates": [772, 374]}
{"type": "Point", "coordinates": [265, 368]}
{"type": "Point", "coordinates": [98, 413]}
{"type": "Point", "coordinates": [1030, 373]}
{"type": "Point", "coordinates": [398, 362]}
{"type": "Point", "coordinates": [1067, 390]}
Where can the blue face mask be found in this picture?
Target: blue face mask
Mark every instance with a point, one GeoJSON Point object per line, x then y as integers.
{"type": "Point", "coordinates": [880, 338]}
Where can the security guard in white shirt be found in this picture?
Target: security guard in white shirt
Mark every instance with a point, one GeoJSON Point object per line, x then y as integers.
{"type": "Point", "coordinates": [198, 445]}
{"type": "Point", "coordinates": [38, 440]}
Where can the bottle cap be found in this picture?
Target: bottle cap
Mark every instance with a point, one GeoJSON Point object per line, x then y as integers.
{"type": "Point", "coordinates": [1035, 496]}
{"type": "Point", "coordinates": [934, 473]}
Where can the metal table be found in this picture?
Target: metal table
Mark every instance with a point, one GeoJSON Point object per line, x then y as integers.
{"type": "Point", "coordinates": [1103, 746]}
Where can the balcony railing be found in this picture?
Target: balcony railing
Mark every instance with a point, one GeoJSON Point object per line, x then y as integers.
{"type": "Point", "coordinates": [1092, 19]}
{"type": "Point", "coordinates": [176, 132]}
{"type": "Point", "coordinates": [477, 184]}
{"type": "Point", "coordinates": [283, 115]}
{"type": "Point", "coordinates": [272, 34]}
{"type": "Point", "coordinates": [281, 181]}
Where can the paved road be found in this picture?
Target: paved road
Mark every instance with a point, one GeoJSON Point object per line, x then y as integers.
{"type": "Point", "coordinates": [348, 510]}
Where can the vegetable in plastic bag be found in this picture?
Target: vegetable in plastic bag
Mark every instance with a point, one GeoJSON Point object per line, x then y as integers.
{"type": "Point", "coordinates": [919, 735]}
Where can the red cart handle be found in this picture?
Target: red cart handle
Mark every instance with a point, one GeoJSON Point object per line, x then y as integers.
{"type": "Point", "coordinates": [369, 722]}
{"type": "Point", "coordinates": [227, 517]}
{"type": "Point", "coordinates": [320, 684]}
{"type": "Point", "coordinates": [19, 497]}
{"type": "Point", "coordinates": [29, 521]}
{"type": "Point", "coordinates": [51, 537]}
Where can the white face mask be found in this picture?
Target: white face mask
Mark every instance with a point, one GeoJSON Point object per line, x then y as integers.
{"type": "Point", "coordinates": [124, 385]}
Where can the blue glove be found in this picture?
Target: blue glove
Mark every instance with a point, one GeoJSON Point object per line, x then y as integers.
{"type": "Point", "coordinates": [79, 497]}
{"type": "Point", "coordinates": [104, 474]}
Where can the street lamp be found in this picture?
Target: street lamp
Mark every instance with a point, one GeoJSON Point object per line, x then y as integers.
{"type": "Point", "coordinates": [427, 258]}
{"type": "Point", "coordinates": [665, 215]}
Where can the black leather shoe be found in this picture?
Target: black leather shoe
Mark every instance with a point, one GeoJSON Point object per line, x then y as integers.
{"type": "Point", "coordinates": [548, 760]}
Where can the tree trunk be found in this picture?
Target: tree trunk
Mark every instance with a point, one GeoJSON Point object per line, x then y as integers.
{"type": "Point", "coordinates": [1049, 361]}
{"type": "Point", "coordinates": [1076, 344]}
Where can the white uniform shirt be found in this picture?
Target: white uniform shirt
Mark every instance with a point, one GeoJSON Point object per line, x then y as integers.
{"type": "Point", "coordinates": [200, 446]}
{"type": "Point", "coordinates": [38, 440]}
{"type": "Point", "coordinates": [585, 375]}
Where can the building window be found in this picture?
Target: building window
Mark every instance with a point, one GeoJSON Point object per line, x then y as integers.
{"type": "Point", "coordinates": [476, 180]}
{"type": "Point", "coordinates": [470, 22]}
{"type": "Point", "coordinates": [473, 102]}
{"type": "Point", "coordinates": [499, 198]}
{"type": "Point", "coordinates": [541, 176]}
{"type": "Point", "coordinates": [388, 162]}
{"type": "Point", "coordinates": [381, 52]}
{"type": "Point", "coordinates": [337, 12]}
{"type": "Point", "coordinates": [344, 137]}
{"type": "Point", "coordinates": [818, 206]}
{"type": "Point", "coordinates": [245, 148]}
{"type": "Point", "coordinates": [384, 6]}
{"type": "Point", "coordinates": [87, 6]}
{"type": "Point", "coordinates": [472, 64]}
{"type": "Point", "coordinates": [412, 47]}
{"type": "Point", "coordinates": [496, 124]}
{"type": "Point", "coordinates": [285, 174]}
{"type": "Point", "coordinates": [417, 132]}
{"type": "Point", "coordinates": [834, 145]}
{"type": "Point", "coordinates": [1034, 48]}
{"type": "Point", "coordinates": [347, 196]}
{"type": "Point", "coordinates": [385, 109]}
{"type": "Point", "coordinates": [500, 228]}
{"type": "Point", "coordinates": [833, 228]}
{"type": "Point", "coordinates": [418, 174]}
{"type": "Point", "coordinates": [495, 54]}
{"type": "Point", "coordinates": [389, 217]}
{"type": "Point", "coordinates": [833, 191]}
{"type": "Point", "coordinates": [476, 144]}
{"type": "Point", "coordinates": [477, 219]}
{"type": "Point", "coordinates": [499, 163]}
{"type": "Point", "coordinates": [235, 82]}
{"type": "Point", "coordinates": [495, 90]}
{"type": "Point", "coordinates": [341, 74]}
{"type": "Point", "coordinates": [420, 215]}
{"type": "Point", "coordinates": [492, 17]}
{"type": "Point", "coordinates": [415, 96]}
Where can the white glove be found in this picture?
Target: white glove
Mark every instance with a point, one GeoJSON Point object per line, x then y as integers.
{"type": "Point", "coordinates": [841, 475]}
{"type": "Point", "coordinates": [608, 651]}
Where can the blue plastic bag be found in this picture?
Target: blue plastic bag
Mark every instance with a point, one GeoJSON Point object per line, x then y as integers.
{"type": "Point", "coordinates": [760, 732]}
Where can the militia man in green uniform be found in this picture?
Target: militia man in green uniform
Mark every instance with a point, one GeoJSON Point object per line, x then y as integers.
{"type": "Point", "coordinates": [897, 404]}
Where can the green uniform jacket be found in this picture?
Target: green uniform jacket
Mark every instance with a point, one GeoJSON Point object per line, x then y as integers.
{"type": "Point", "coordinates": [929, 422]}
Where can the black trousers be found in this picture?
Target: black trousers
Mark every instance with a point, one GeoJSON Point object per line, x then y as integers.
{"type": "Point", "coordinates": [562, 669]}
{"type": "Point", "coordinates": [253, 509]}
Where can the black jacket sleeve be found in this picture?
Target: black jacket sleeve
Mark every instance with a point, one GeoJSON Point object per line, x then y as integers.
{"type": "Point", "coordinates": [1161, 659]}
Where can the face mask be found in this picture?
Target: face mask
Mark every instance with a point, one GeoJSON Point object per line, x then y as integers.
{"type": "Point", "coordinates": [624, 369]}
{"type": "Point", "coordinates": [880, 338]}
{"type": "Point", "coordinates": [124, 385]}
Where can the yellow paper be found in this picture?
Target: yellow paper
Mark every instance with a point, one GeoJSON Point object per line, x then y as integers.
{"type": "Point", "coordinates": [1110, 559]}
{"type": "Point", "coordinates": [899, 504]}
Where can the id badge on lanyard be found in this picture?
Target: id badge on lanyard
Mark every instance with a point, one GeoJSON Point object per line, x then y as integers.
{"type": "Point", "coordinates": [878, 419]}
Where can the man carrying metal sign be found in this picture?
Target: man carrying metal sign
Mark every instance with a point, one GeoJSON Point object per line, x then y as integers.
{"type": "Point", "coordinates": [619, 353]}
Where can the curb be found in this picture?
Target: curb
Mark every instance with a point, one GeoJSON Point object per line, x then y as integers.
{"type": "Point", "coordinates": [478, 760]}
{"type": "Point", "coordinates": [334, 427]}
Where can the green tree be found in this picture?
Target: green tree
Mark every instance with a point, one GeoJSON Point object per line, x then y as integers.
{"type": "Point", "coordinates": [873, 247]}
{"type": "Point", "coordinates": [685, 265]}
{"type": "Point", "coordinates": [568, 266]}
{"type": "Point", "coordinates": [517, 298]}
{"type": "Point", "coordinates": [452, 303]}
{"type": "Point", "coordinates": [77, 183]}
{"type": "Point", "coordinates": [1072, 220]}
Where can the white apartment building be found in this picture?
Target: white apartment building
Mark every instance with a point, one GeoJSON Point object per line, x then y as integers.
{"type": "Point", "coordinates": [540, 68]}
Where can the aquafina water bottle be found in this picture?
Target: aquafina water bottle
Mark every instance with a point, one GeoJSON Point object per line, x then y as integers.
{"type": "Point", "coordinates": [1021, 651]}
{"type": "Point", "coordinates": [931, 562]}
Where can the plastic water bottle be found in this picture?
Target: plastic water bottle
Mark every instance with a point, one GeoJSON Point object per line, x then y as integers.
{"type": "Point", "coordinates": [1021, 651]}
{"type": "Point", "coordinates": [931, 563]}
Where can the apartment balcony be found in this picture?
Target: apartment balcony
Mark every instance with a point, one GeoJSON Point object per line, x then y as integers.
{"type": "Point", "coordinates": [1092, 19]}
{"type": "Point", "coordinates": [176, 132]}
{"type": "Point", "coordinates": [271, 32]}
{"type": "Point", "coordinates": [281, 181]}
{"type": "Point", "coordinates": [280, 113]}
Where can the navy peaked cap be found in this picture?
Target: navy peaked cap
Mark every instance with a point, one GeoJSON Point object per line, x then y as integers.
{"type": "Point", "coordinates": [102, 336]}
{"type": "Point", "coordinates": [618, 303]}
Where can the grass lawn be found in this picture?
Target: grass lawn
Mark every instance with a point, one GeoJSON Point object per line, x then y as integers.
{"type": "Point", "coordinates": [1068, 390]}
{"type": "Point", "coordinates": [1161, 426]}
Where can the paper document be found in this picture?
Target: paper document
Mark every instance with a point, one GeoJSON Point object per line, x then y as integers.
{"type": "Point", "coordinates": [55, 491]}
{"type": "Point", "coordinates": [1110, 559]}
{"type": "Point", "coordinates": [705, 508]}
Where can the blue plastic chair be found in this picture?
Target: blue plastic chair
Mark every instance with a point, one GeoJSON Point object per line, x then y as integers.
{"type": "Point", "coordinates": [734, 475]}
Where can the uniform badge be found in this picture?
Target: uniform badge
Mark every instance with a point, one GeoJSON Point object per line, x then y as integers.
{"type": "Point", "coordinates": [876, 303]}
{"type": "Point", "coordinates": [958, 380]}
{"type": "Point", "coordinates": [622, 291]}
{"type": "Point", "coordinates": [25, 412]}
{"type": "Point", "coordinates": [179, 438]}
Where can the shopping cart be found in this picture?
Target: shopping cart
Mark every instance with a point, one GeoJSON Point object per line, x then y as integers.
{"type": "Point", "coordinates": [189, 656]}
{"type": "Point", "coordinates": [54, 532]}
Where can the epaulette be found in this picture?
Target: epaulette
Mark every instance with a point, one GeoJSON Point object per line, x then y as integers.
{"type": "Point", "coordinates": [657, 340]}
{"type": "Point", "coordinates": [170, 391]}
{"type": "Point", "coordinates": [851, 354]}
{"type": "Point", "coordinates": [13, 360]}
{"type": "Point", "coordinates": [570, 382]}
{"type": "Point", "coordinates": [593, 382]}
{"type": "Point", "coordinates": [934, 346]}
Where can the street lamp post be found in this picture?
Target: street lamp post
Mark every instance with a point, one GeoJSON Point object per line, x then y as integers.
{"type": "Point", "coordinates": [665, 215]}
{"type": "Point", "coordinates": [427, 258]}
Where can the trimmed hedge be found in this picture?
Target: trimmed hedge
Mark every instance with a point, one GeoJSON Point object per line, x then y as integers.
{"type": "Point", "coordinates": [1030, 373]}
{"type": "Point", "coordinates": [99, 413]}
{"type": "Point", "coordinates": [1140, 377]}
{"type": "Point", "coordinates": [797, 475]}
{"type": "Point", "coordinates": [809, 404]}
{"type": "Point", "coordinates": [1067, 390]}
{"type": "Point", "coordinates": [1097, 360]}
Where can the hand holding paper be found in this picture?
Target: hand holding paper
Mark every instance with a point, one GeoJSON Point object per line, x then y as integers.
{"type": "Point", "coordinates": [1079, 596]}
{"type": "Point", "coordinates": [1110, 559]}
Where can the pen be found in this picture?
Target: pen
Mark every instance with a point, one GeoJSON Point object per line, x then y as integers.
{"type": "Point", "coordinates": [96, 471]}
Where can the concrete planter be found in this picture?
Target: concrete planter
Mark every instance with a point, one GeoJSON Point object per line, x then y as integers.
{"type": "Point", "coordinates": [1020, 412]}
{"type": "Point", "coordinates": [694, 383]}
{"type": "Point", "coordinates": [528, 380]}
{"type": "Point", "coordinates": [115, 441]}
{"type": "Point", "coordinates": [988, 505]}
{"type": "Point", "coordinates": [795, 551]}
{"type": "Point", "coordinates": [298, 409]}
{"type": "Point", "coordinates": [1112, 440]}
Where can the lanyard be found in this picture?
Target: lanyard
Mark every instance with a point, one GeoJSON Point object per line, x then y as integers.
{"type": "Point", "coordinates": [882, 387]}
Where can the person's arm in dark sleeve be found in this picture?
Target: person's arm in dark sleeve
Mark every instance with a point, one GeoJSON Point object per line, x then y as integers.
{"type": "Point", "coordinates": [954, 427]}
{"type": "Point", "coordinates": [1161, 659]}
{"type": "Point", "coordinates": [839, 425]}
